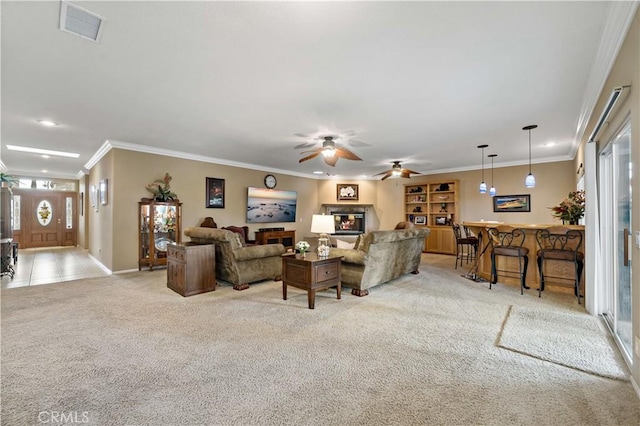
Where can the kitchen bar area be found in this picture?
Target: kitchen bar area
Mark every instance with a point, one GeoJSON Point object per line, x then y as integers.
{"type": "Point", "coordinates": [559, 249]}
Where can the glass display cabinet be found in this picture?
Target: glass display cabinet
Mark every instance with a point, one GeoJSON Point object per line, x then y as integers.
{"type": "Point", "coordinates": [159, 224]}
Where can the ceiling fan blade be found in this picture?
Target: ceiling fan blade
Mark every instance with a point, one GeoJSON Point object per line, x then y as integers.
{"type": "Point", "coordinates": [387, 175]}
{"type": "Point", "coordinates": [303, 135]}
{"type": "Point", "coordinates": [304, 145]}
{"type": "Point", "coordinates": [410, 171]}
{"type": "Point", "coordinates": [346, 154]}
{"type": "Point", "coordinates": [309, 157]}
{"type": "Point", "coordinates": [331, 160]}
{"type": "Point", "coordinates": [381, 173]}
{"type": "Point", "coordinates": [354, 142]}
{"type": "Point", "coordinates": [405, 175]}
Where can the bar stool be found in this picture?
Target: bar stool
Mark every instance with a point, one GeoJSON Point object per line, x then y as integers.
{"type": "Point", "coordinates": [467, 242]}
{"type": "Point", "coordinates": [562, 244]}
{"type": "Point", "coordinates": [507, 241]}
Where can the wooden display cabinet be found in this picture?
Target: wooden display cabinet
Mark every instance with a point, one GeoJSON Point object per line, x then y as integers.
{"type": "Point", "coordinates": [159, 224]}
{"type": "Point", "coordinates": [286, 238]}
{"type": "Point", "coordinates": [434, 205]}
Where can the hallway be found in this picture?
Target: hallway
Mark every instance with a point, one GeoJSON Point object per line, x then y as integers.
{"type": "Point", "coordinates": [52, 265]}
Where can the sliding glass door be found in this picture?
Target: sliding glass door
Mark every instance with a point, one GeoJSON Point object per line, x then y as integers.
{"type": "Point", "coordinates": [616, 232]}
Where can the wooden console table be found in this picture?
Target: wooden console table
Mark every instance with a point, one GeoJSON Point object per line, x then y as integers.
{"type": "Point", "coordinates": [191, 268]}
{"type": "Point", "coordinates": [311, 273]}
{"type": "Point", "coordinates": [286, 238]}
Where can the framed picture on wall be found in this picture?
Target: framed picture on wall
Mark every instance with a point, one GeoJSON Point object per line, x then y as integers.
{"type": "Point", "coordinates": [93, 197]}
{"type": "Point", "coordinates": [215, 193]}
{"type": "Point", "coordinates": [512, 203]}
{"type": "Point", "coordinates": [347, 192]}
{"type": "Point", "coordinates": [103, 187]}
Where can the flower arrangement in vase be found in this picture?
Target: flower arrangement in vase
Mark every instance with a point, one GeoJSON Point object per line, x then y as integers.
{"type": "Point", "coordinates": [571, 209]}
{"type": "Point", "coordinates": [302, 247]}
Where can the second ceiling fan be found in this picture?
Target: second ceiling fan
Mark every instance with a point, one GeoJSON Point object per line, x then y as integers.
{"type": "Point", "coordinates": [331, 152]}
{"type": "Point", "coordinates": [398, 171]}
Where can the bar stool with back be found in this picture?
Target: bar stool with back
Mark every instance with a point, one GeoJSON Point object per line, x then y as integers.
{"type": "Point", "coordinates": [507, 241]}
{"type": "Point", "coordinates": [466, 246]}
{"type": "Point", "coordinates": [562, 244]}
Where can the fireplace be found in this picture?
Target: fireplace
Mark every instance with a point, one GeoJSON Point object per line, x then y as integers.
{"type": "Point", "coordinates": [349, 223]}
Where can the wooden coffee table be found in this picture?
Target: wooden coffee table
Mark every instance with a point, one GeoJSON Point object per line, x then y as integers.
{"type": "Point", "coordinates": [311, 273]}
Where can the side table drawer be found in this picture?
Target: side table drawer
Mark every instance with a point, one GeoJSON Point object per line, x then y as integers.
{"type": "Point", "coordinates": [326, 272]}
{"type": "Point", "coordinates": [175, 252]}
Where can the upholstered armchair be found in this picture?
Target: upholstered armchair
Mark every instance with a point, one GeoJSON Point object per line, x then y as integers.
{"type": "Point", "coordinates": [238, 264]}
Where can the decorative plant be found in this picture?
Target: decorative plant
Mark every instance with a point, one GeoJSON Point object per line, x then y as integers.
{"type": "Point", "coordinates": [302, 246]}
{"type": "Point", "coordinates": [161, 189]}
{"type": "Point", "coordinates": [571, 209]}
{"type": "Point", "coordinates": [10, 180]}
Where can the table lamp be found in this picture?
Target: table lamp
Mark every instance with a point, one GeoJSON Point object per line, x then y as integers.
{"type": "Point", "coordinates": [323, 225]}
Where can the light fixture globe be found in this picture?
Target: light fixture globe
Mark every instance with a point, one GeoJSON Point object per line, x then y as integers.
{"type": "Point", "coordinates": [530, 181]}
{"type": "Point", "coordinates": [492, 191]}
{"type": "Point", "coordinates": [328, 147]}
{"type": "Point", "coordinates": [483, 186]}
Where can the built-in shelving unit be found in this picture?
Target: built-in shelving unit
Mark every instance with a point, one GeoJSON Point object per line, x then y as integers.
{"type": "Point", "coordinates": [434, 205]}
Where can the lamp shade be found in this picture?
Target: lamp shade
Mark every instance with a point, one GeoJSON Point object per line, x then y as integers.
{"type": "Point", "coordinates": [322, 224]}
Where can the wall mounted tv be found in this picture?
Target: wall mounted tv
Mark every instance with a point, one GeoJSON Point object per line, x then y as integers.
{"type": "Point", "coordinates": [271, 205]}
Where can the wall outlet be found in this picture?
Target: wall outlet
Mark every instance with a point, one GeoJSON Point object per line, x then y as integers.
{"type": "Point", "coordinates": [637, 234]}
{"type": "Point", "coordinates": [637, 346]}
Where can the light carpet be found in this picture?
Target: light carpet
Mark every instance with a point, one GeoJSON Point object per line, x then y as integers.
{"type": "Point", "coordinates": [125, 350]}
{"type": "Point", "coordinates": [578, 341]}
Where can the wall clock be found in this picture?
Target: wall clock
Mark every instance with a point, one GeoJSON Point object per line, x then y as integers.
{"type": "Point", "coordinates": [270, 181]}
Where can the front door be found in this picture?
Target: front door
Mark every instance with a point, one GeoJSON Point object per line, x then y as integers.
{"type": "Point", "coordinates": [47, 218]}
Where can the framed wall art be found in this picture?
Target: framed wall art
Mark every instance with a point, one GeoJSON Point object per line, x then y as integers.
{"type": "Point", "coordinates": [215, 193]}
{"type": "Point", "coordinates": [93, 197]}
{"type": "Point", "coordinates": [347, 192]}
{"type": "Point", "coordinates": [103, 193]}
{"type": "Point", "coordinates": [512, 203]}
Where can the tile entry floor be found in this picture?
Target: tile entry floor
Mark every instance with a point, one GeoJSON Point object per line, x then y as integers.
{"type": "Point", "coordinates": [52, 265]}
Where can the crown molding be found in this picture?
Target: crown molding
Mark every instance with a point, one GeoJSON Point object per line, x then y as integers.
{"type": "Point", "coordinates": [619, 18]}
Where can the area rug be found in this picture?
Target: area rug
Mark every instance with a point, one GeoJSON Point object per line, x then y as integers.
{"type": "Point", "coordinates": [578, 341]}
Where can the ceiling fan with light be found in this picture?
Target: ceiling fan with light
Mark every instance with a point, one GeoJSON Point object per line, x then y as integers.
{"type": "Point", "coordinates": [397, 171]}
{"type": "Point", "coordinates": [330, 151]}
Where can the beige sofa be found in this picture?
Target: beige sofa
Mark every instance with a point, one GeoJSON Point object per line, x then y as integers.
{"type": "Point", "coordinates": [237, 263]}
{"type": "Point", "coordinates": [380, 256]}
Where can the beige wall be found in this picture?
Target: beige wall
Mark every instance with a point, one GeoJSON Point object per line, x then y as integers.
{"type": "Point", "coordinates": [113, 229]}
{"type": "Point", "coordinates": [133, 170]}
{"type": "Point", "coordinates": [553, 182]}
{"type": "Point", "coordinates": [625, 71]}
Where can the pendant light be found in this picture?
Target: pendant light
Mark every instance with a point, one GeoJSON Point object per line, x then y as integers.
{"type": "Point", "coordinates": [483, 186]}
{"type": "Point", "coordinates": [492, 191]}
{"type": "Point", "coordinates": [530, 181]}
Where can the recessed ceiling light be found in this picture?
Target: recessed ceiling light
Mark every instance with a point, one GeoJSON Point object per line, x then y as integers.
{"type": "Point", "coordinates": [42, 151]}
{"type": "Point", "coordinates": [548, 144]}
{"type": "Point", "coordinates": [45, 156]}
{"type": "Point", "coordinates": [47, 123]}
{"type": "Point", "coordinates": [44, 171]}
{"type": "Point", "coordinates": [317, 172]}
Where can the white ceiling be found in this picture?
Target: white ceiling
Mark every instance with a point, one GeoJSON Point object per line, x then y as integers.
{"type": "Point", "coordinates": [421, 82]}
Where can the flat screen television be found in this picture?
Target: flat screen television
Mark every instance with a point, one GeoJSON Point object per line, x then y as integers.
{"type": "Point", "coordinates": [271, 205]}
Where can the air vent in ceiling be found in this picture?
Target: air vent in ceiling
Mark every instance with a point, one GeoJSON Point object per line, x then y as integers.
{"type": "Point", "coordinates": [80, 22]}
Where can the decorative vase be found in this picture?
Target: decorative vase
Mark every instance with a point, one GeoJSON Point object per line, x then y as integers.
{"type": "Point", "coordinates": [302, 254]}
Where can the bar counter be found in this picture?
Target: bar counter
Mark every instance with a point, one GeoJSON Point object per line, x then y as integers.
{"type": "Point", "coordinates": [556, 268]}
